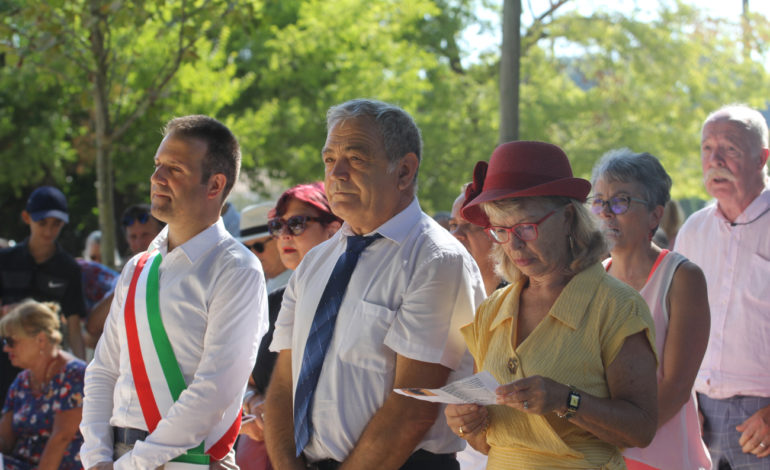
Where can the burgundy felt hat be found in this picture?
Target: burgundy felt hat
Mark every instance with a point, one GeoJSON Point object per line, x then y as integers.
{"type": "Point", "coordinates": [521, 169]}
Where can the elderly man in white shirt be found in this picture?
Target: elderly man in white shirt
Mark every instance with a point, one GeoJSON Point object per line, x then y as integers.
{"type": "Point", "coordinates": [395, 325]}
{"type": "Point", "coordinates": [166, 383]}
{"type": "Point", "coordinates": [730, 241]}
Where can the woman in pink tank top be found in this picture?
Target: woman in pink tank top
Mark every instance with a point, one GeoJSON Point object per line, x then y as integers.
{"type": "Point", "coordinates": [630, 192]}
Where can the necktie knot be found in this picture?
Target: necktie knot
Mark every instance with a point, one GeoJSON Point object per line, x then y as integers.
{"type": "Point", "coordinates": [358, 243]}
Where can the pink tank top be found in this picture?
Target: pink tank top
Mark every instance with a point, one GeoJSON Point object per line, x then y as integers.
{"type": "Point", "coordinates": [678, 444]}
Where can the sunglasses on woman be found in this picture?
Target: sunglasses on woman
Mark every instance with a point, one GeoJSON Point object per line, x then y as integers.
{"type": "Point", "coordinates": [7, 341]}
{"type": "Point", "coordinates": [525, 232]}
{"type": "Point", "coordinates": [295, 225]}
{"type": "Point", "coordinates": [617, 204]}
{"type": "Point", "coordinates": [259, 247]}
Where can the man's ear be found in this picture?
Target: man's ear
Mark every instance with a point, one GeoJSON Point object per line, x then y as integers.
{"type": "Point", "coordinates": [763, 156]}
{"type": "Point", "coordinates": [407, 169]}
{"type": "Point", "coordinates": [25, 217]}
{"type": "Point", "coordinates": [216, 185]}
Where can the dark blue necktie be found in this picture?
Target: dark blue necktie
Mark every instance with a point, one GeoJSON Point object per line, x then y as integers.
{"type": "Point", "coordinates": [320, 336]}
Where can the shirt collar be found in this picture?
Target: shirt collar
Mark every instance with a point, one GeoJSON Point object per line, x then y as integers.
{"type": "Point", "coordinates": [571, 305]}
{"type": "Point", "coordinates": [754, 209]}
{"type": "Point", "coordinates": [396, 228]}
{"type": "Point", "coordinates": [195, 247]}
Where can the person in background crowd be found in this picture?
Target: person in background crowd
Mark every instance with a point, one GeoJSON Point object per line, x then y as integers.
{"type": "Point", "coordinates": [630, 192]}
{"type": "Point", "coordinates": [572, 345]}
{"type": "Point", "coordinates": [40, 417]}
{"type": "Point", "coordinates": [300, 220]}
{"type": "Point", "coordinates": [40, 269]}
{"type": "Point", "coordinates": [730, 241]}
{"type": "Point", "coordinates": [139, 228]}
{"type": "Point", "coordinates": [232, 219]}
{"type": "Point", "coordinates": [442, 218]}
{"type": "Point", "coordinates": [478, 244]}
{"type": "Point", "coordinates": [671, 222]}
{"type": "Point", "coordinates": [376, 307]}
{"type": "Point", "coordinates": [166, 391]}
{"type": "Point", "coordinates": [256, 237]}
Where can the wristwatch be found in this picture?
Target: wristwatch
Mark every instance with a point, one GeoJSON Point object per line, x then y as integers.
{"type": "Point", "coordinates": [573, 403]}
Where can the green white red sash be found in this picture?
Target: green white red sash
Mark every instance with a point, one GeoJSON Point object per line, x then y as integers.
{"type": "Point", "coordinates": [157, 376]}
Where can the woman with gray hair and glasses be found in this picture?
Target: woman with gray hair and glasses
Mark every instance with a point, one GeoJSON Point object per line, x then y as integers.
{"type": "Point", "coordinates": [630, 193]}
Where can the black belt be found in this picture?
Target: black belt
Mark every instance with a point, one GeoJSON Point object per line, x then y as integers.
{"type": "Point", "coordinates": [128, 436]}
{"type": "Point", "coordinates": [421, 456]}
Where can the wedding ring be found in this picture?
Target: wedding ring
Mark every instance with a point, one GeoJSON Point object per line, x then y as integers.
{"type": "Point", "coordinates": [762, 445]}
{"type": "Point", "coordinates": [526, 405]}
{"type": "Point", "coordinates": [460, 431]}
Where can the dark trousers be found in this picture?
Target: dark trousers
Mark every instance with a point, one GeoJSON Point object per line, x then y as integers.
{"type": "Point", "coordinates": [420, 460]}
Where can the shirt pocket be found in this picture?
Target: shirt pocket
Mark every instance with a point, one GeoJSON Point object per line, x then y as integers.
{"type": "Point", "coordinates": [363, 342]}
{"type": "Point", "coordinates": [759, 279]}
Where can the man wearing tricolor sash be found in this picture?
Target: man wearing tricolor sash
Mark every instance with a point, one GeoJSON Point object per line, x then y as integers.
{"type": "Point", "coordinates": [165, 387]}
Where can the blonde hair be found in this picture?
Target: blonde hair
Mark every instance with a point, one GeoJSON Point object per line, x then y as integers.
{"type": "Point", "coordinates": [585, 243]}
{"type": "Point", "coordinates": [30, 318]}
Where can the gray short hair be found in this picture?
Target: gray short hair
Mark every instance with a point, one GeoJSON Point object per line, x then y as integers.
{"type": "Point", "coordinates": [643, 168]}
{"type": "Point", "coordinates": [586, 244]}
{"type": "Point", "coordinates": [748, 119]}
{"type": "Point", "coordinates": [399, 131]}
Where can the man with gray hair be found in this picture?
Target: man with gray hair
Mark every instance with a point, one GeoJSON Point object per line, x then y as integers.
{"type": "Point", "coordinates": [376, 307]}
{"type": "Point", "coordinates": [730, 241]}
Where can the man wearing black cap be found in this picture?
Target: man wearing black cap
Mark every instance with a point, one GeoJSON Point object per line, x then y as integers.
{"type": "Point", "coordinates": [39, 268]}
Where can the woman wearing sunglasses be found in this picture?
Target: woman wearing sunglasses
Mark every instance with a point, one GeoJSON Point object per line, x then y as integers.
{"type": "Point", "coordinates": [301, 220]}
{"type": "Point", "coordinates": [572, 346]}
{"type": "Point", "coordinates": [630, 193]}
{"type": "Point", "coordinates": [40, 418]}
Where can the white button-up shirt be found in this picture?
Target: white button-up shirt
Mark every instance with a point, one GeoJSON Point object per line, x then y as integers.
{"type": "Point", "coordinates": [410, 293]}
{"type": "Point", "coordinates": [214, 309]}
{"type": "Point", "coordinates": [736, 262]}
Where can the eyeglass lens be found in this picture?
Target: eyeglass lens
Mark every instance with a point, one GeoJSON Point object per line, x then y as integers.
{"type": "Point", "coordinates": [618, 205]}
{"type": "Point", "coordinates": [259, 247]}
{"type": "Point", "coordinates": [296, 224]}
{"type": "Point", "coordinates": [7, 341]}
{"type": "Point", "coordinates": [141, 217]}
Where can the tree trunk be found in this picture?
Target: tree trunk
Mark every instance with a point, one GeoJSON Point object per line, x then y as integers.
{"type": "Point", "coordinates": [509, 71]}
{"type": "Point", "coordinates": [104, 177]}
{"type": "Point", "coordinates": [745, 30]}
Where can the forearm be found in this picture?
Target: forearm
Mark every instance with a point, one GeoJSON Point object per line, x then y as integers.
{"type": "Point", "coordinates": [76, 336]}
{"type": "Point", "coordinates": [673, 394]}
{"type": "Point", "coordinates": [616, 421]}
{"type": "Point", "coordinates": [392, 434]}
{"type": "Point", "coordinates": [279, 418]}
{"type": "Point", "coordinates": [53, 452]}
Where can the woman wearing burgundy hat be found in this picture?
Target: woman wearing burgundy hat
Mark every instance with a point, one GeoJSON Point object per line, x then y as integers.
{"type": "Point", "coordinates": [572, 345]}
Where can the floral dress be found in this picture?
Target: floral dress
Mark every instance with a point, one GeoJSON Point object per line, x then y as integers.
{"type": "Point", "coordinates": [33, 416]}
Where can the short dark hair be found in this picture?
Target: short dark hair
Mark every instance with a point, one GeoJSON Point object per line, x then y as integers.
{"type": "Point", "coordinates": [223, 154]}
{"type": "Point", "coordinates": [137, 212]}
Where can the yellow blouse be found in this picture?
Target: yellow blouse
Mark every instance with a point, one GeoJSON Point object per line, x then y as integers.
{"type": "Point", "coordinates": [575, 342]}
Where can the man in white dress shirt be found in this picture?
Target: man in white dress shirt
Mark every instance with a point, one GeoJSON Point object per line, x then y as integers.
{"type": "Point", "coordinates": [210, 302]}
{"type": "Point", "coordinates": [730, 241]}
{"type": "Point", "coordinates": [398, 323]}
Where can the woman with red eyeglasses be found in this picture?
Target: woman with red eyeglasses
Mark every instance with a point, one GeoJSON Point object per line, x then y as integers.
{"type": "Point", "coordinates": [572, 346]}
{"type": "Point", "coordinates": [630, 193]}
{"type": "Point", "coordinates": [300, 220]}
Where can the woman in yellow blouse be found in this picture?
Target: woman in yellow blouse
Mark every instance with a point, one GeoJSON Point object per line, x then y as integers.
{"type": "Point", "coordinates": [572, 345]}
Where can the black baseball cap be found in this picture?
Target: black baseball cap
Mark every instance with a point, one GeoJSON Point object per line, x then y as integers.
{"type": "Point", "coordinates": [47, 201]}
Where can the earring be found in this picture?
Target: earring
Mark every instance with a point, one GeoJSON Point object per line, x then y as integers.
{"type": "Point", "coordinates": [571, 244]}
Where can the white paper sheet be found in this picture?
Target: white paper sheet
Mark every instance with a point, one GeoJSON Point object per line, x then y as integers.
{"type": "Point", "coordinates": [478, 389]}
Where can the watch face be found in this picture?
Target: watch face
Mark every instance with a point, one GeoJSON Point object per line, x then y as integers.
{"type": "Point", "coordinates": [574, 401]}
